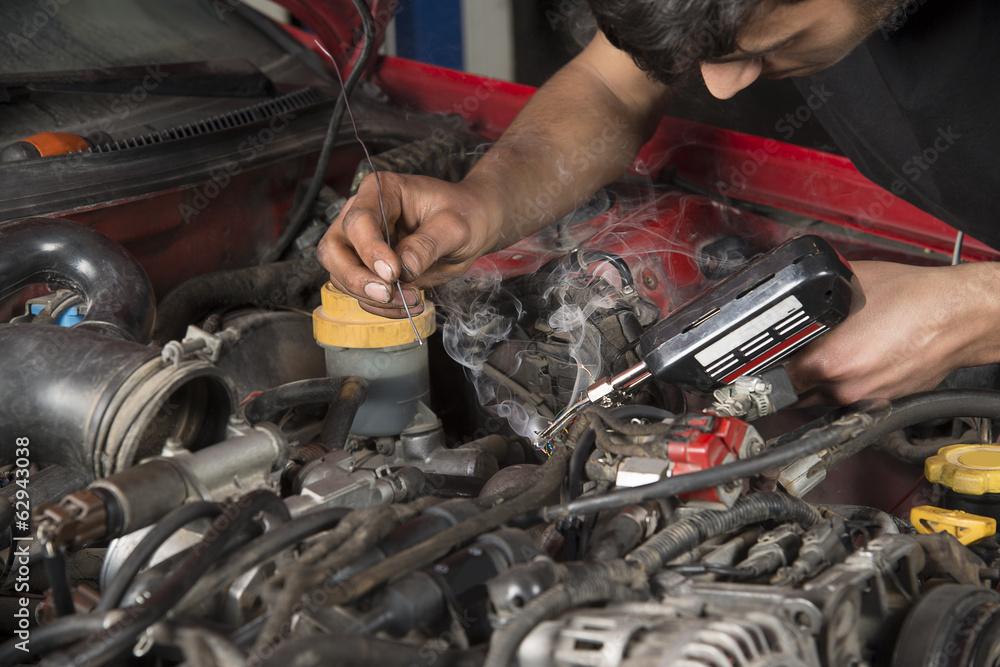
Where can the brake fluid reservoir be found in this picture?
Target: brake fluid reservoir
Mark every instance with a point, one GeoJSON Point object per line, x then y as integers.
{"type": "Point", "coordinates": [383, 351]}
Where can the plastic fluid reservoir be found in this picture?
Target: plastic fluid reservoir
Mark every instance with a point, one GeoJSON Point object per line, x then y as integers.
{"type": "Point", "coordinates": [383, 351]}
{"type": "Point", "coordinates": [971, 473]}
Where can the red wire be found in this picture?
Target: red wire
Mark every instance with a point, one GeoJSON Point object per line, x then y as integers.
{"type": "Point", "coordinates": [908, 494]}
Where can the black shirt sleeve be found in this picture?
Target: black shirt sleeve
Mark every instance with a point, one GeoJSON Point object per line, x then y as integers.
{"type": "Point", "coordinates": [917, 111]}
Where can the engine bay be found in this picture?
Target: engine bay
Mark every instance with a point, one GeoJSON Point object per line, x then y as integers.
{"type": "Point", "coordinates": [582, 453]}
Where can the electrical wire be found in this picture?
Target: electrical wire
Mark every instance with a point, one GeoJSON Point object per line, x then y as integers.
{"type": "Point", "coordinates": [7, 521]}
{"type": "Point", "coordinates": [164, 529]}
{"type": "Point", "coordinates": [909, 493]}
{"type": "Point", "coordinates": [378, 181]}
{"type": "Point", "coordinates": [546, 479]}
{"type": "Point", "coordinates": [268, 404]}
{"type": "Point", "coordinates": [121, 635]}
{"type": "Point", "coordinates": [298, 216]}
{"type": "Point", "coordinates": [54, 563]}
{"type": "Point", "coordinates": [47, 638]}
{"type": "Point", "coordinates": [849, 431]}
{"type": "Point", "coordinates": [263, 548]}
{"type": "Point", "coordinates": [9, 562]}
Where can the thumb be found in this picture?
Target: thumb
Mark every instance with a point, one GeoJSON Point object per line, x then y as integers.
{"type": "Point", "coordinates": [444, 236]}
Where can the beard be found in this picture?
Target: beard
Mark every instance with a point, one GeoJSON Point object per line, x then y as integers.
{"type": "Point", "coordinates": [890, 15]}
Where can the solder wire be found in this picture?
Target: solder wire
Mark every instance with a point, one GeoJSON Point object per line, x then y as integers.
{"type": "Point", "coordinates": [378, 182]}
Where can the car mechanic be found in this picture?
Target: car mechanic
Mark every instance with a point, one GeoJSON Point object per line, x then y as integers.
{"type": "Point", "coordinates": [906, 92]}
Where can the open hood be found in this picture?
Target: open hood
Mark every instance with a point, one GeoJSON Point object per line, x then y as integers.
{"type": "Point", "coordinates": [338, 26]}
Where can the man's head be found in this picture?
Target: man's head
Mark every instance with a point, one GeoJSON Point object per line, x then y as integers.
{"type": "Point", "coordinates": [735, 41]}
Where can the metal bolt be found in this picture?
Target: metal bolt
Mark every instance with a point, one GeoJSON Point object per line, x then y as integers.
{"type": "Point", "coordinates": [173, 444]}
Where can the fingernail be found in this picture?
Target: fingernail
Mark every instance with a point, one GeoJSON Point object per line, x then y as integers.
{"type": "Point", "coordinates": [409, 261]}
{"type": "Point", "coordinates": [384, 271]}
{"type": "Point", "coordinates": [412, 297]}
{"type": "Point", "coordinates": [377, 292]}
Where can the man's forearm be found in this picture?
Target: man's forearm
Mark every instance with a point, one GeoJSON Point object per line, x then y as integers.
{"type": "Point", "coordinates": [580, 131]}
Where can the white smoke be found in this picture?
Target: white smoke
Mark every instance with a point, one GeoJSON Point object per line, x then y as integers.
{"type": "Point", "coordinates": [480, 314]}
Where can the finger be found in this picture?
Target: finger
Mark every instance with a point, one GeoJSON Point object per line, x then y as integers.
{"type": "Point", "coordinates": [348, 273]}
{"type": "Point", "coordinates": [365, 228]}
{"type": "Point", "coordinates": [394, 308]}
{"type": "Point", "coordinates": [443, 235]}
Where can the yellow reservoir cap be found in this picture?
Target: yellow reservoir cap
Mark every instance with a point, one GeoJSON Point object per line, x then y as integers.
{"type": "Point", "coordinates": [971, 469]}
{"type": "Point", "coordinates": [966, 528]}
{"type": "Point", "coordinates": [341, 322]}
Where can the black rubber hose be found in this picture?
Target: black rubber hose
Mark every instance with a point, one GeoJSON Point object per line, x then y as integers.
{"type": "Point", "coordinates": [264, 547]}
{"type": "Point", "coordinates": [447, 156]}
{"type": "Point", "coordinates": [851, 427]}
{"type": "Point", "coordinates": [118, 293]}
{"type": "Point", "coordinates": [622, 534]}
{"type": "Point", "coordinates": [301, 212]}
{"type": "Point", "coordinates": [916, 408]}
{"type": "Point", "coordinates": [55, 571]}
{"type": "Point", "coordinates": [7, 523]}
{"type": "Point", "coordinates": [899, 446]}
{"type": "Point", "coordinates": [548, 605]}
{"type": "Point", "coordinates": [121, 635]}
{"type": "Point", "coordinates": [51, 636]}
{"type": "Point", "coordinates": [684, 535]}
{"type": "Point", "coordinates": [608, 581]}
{"type": "Point", "coordinates": [573, 533]}
{"type": "Point", "coordinates": [861, 513]}
{"type": "Point", "coordinates": [343, 410]}
{"type": "Point", "coordinates": [273, 286]}
{"type": "Point", "coordinates": [163, 530]}
{"type": "Point", "coordinates": [650, 413]}
{"type": "Point", "coordinates": [8, 564]}
{"type": "Point", "coordinates": [353, 651]}
{"type": "Point", "coordinates": [6, 513]}
{"type": "Point", "coordinates": [582, 451]}
{"type": "Point", "coordinates": [266, 405]}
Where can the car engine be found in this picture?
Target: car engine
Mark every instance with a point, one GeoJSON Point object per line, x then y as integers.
{"type": "Point", "coordinates": [584, 452]}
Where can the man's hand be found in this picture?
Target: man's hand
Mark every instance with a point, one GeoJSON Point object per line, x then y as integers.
{"type": "Point", "coordinates": [918, 325]}
{"type": "Point", "coordinates": [438, 229]}
{"type": "Point", "coordinates": [580, 131]}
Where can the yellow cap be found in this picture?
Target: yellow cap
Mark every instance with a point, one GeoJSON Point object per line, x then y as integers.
{"type": "Point", "coordinates": [971, 469]}
{"type": "Point", "coordinates": [966, 528]}
{"type": "Point", "coordinates": [341, 322]}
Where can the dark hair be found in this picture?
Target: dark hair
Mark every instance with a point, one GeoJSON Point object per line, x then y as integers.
{"type": "Point", "coordinates": [669, 38]}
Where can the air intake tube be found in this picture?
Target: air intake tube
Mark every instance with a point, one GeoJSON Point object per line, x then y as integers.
{"type": "Point", "coordinates": [100, 405]}
{"type": "Point", "coordinates": [94, 397]}
{"type": "Point", "coordinates": [119, 296]}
